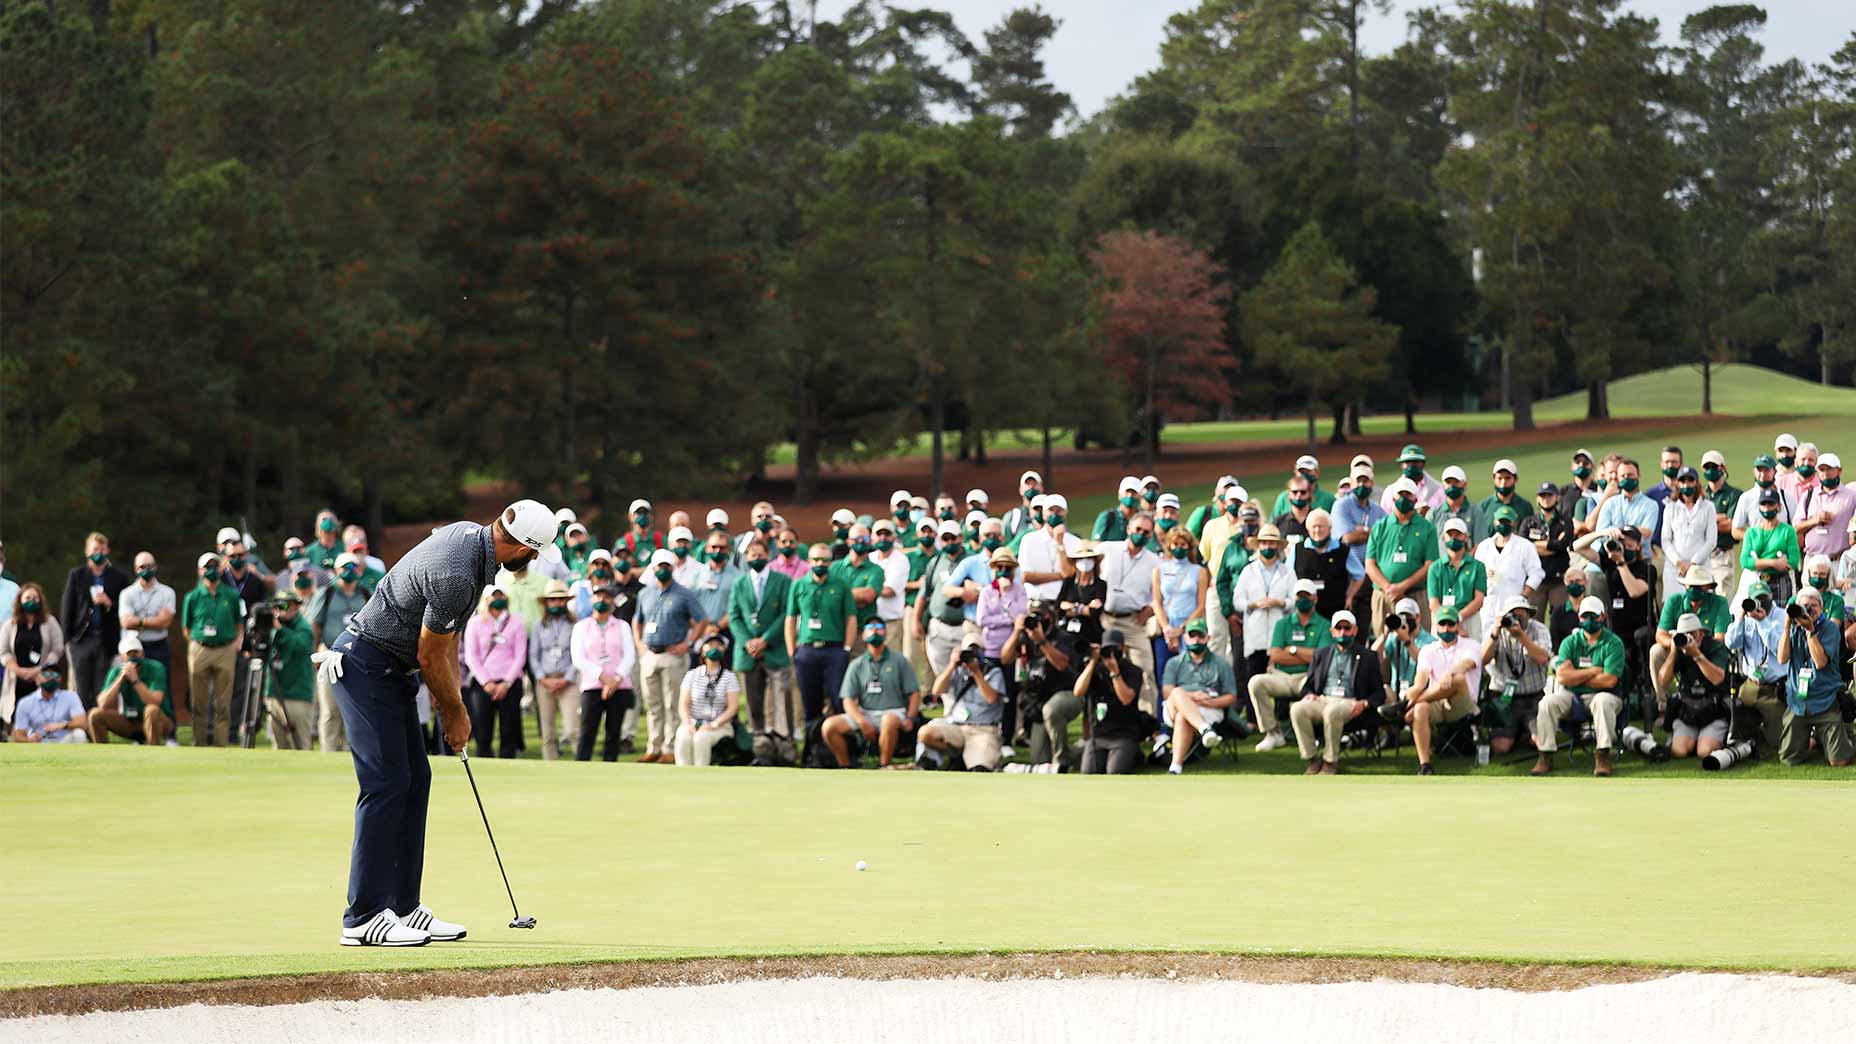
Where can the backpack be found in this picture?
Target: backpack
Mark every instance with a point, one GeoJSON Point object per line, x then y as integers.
{"type": "Point", "coordinates": [816, 752]}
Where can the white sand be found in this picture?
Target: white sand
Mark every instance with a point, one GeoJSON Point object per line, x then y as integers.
{"type": "Point", "coordinates": [1714, 1009]}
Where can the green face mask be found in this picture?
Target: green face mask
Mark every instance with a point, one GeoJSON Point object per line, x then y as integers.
{"type": "Point", "coordinates": [1304, 605]}
{"type": "Point", "coordinates": [663, 573]}
{"type": "Point", "coordinates": [1504, 527]}
{"type": "Point", "coordinates": [926, 542]}
{"type": "Point", "coordinates": [1763, 483]}
{"type": "Point", "coordinates": [1405, 504]}
{"type": "Point", "coordinates": [788, 551]}
{"type": "Point", "coordinates": [499, 603]}
{"type": "Point", "coordinates": [1129, 500]}
{"type": "Point", "coordinates": [757, 564]}
{"type": "Point", "coordinates": [1574, 590]}
{"type": "Point", "coordinates": [327, 525]}
{"type": "Point", "coordinates": [1414, 472]}
{"type": "Point", "coordinates": [1300, 502]}
{"type": "Point", "coordinates": [876, 640]}
{"type": "Point", "coordinates": [1581, 471]}
{"type": "Point", "coordinates": [1446, 637]}
{"type": "Point", "coordinates": [1268, 554]}
{"type": "Point", "coordinates": [713, 654]}
{"type": "Point", "coordinates": [351, 572]}
{"type": "Point", "coordinates": [557, 610]}
{"type": "Point", "coordinates": [820, 568]}
{"type": "Point", "coordinates": [642, 519]}
{"type": "Point", "coordinates": [1002, 574]}
{"type": "Point", "coordinates": [1139, 540]}
{"type": "Point", "coordinates": [293, 555]}
{"type": "Point", "coordinates": [1822, 583]}
{"type": "Point", "coordinates": [1504, 491]}
{"type": "Point", "coordinates": [1807, 470]}
{"type": "Point", "coordinates": [947, 514]}
{"type": "Point", "coordinates": [1601, 484]}
{"type": "Point", "coordinates": [1166, 524]}
{"type": "Point", "coordinates": [30, 605]}
{"type": "Point", "coordinates": [212, 573]}
{"type": "Point", "coordinates": [1712, 473]}
{"type": "Point", "coordinates": [1150, 495]}
{"type": "Point", "coordinates": [601, 606]}
{"type": "Point", "coordinates": [1362, 492]}
{"type": "Point", "coordinates": [841, 533]}
{"type": "Point", "coordinates": [1628, 485]}
{"type": "Point", "coordinates": [765, 525]}
{"type": "Point", "coordinates": [1670, 473]}
{"type": "Point", "coordinates": [1196, 648]}
{"type": "Point", "coordinates": [1786, 462]}
{"type": "Point", "coordinates": [884, 544]}
{"type": "Point", "coordinates": [1830, 481]}
{"type": "Point", "coordinates": [1768, 512]}
{"type": "Point", "coordinates": [991, 543]}
{"type": "Point", "coordinates": [681, 551]}
{"type": "Point", "coordinates": [1591, 625]}
{"type": "Point", "coordinates": [99, 558]}
{"type": "Point", "coordinates": [1453, 492]}
{"type": "Point", "coordinates": [146, 574]}
{"type": "Point", "coordinates": [1455, 545]}
{"type": "Point", "coordinates": [1053, 518]}
{"type": "Point", "coordinates": [1343, 640]}
{"type": "Point", "coordinates": [1178, 552]}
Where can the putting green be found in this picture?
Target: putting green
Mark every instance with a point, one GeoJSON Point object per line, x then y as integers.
{"type": "Point", "coordinates": [136, 864]}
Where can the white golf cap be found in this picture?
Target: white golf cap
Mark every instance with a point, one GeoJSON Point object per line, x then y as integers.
{"type": "Point", "coordinates": [1454, 472]}
{"type": "Point", "coordinates": [946, 527]}
{"type": "Point", "coordinates": [1517, 601]}
{"type": "Point", "coordinates": [842, 517]}
{"type": "Point", "coordinates": [1237, 493]}
{"type": "Point", "coordinates": [976, 517]}
{"type": "Point", "coordinates": [717, 517]}
{"type": "Point", "coordinates": [599, 553]}
{"type": "Point", "coordinates": [1344, 616]}
{"type": "Point", "coordinates": [488, 589]}
{"type": "Point", "coordinates": [1405, 485]}
{"type": "Point", "coordinates": [883, 525]}
{"type": "Point", "coordinates": [978, 496]}
{"type": "Point", "coordinates": [1698, 576]}
{"type": "Point", "coordinates": [1591, 604]}
{"type": "Point", "coordinates": [1307, 462]}
{"type": "Point", "coordinates": [206, 559]}
{"type": "Point", "coordinates": [532, 525]}
{"type": "Point", "coordinates": [1455, 525]}
{"type": "Point", "coordinates": [663, 557]}
{"type": "Point", "coordinates": [1360, 459]}
{"type": "Point", "coordinates": [1586, 453]}
{"type": "Point", "coordinates": [226, 533]}
{"type": "Point", "coordinates": [1055, 500]}
{"type": "Point", "coordinates": [1406, 606]}
{"type": "Point", "coordinates": [129, 643]}
{"type": "Point", "coordinates": [678, 533]}
{"type": "Point", "coordinates": [575, 527]}
{"type": "Point", "coordinates": [1224, 482]}
{"type": "Point", "coordinates": [900, 496]}
{"type": "Point", "coordinates": [1030, 476]}
{"type": "Point", "coordinates": [1505, 464]}
{"type": "Point", "coordinates": [1785, 441]}
{"type": "Point", "coordinates": [927, 523]}
{"type": "Point", "coordinates": [1714, 457]}
{"type": "Point", "coordinates": [1129, 484]}
{"type": "Point", "coordinates": [1304, 586]}
{"type": "Point", "coordinates": [919, 501]}
{"type": "Point", "coordinates": [1361, 471]}
{"type": "Point", "coordinates": [565, 515]}
{"type": "Point", "coordinates": [1039, 501]}
{"type": "Point", "coordinates": [1829, 460]}
{"type": "Point", "coordinates": [1150, 480]}
{"type": "Point", "coordinates": [1688, 623]}
{"type": "Point", "coordinates": [347, 558]}
{"type": "Point", "coordinates": [1167, 500]}
{"type": "Point", "coordinates": [637, 504]}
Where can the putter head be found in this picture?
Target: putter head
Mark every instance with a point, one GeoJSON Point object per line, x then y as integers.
{"type": "Point", "coordinates": [521, 922]}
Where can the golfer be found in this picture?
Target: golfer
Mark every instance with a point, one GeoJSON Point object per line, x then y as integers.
{"type": "Point", "coordinates": [408, 629]}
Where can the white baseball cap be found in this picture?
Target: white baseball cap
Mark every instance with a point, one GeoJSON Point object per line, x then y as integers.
{"type": "Point", "coordinates": [1129, 484]}
{"type": "Point", "coordinates": [1829, 460]}
{"type": "Point", "coordinates": [206, 559]}
{"type": "Point", "coordinates": [1517, 601]}
{"type": "Point", "coordinates": [1224, 482]}
{"type": "Point", "coordinates": [678, 533]}
{"type": "Point", "coordinates": [1307, 461]}
{"type": "Point", "coordinates": [1030, 476]}
{"type": "Point", "coordinates": [1360, 459]}
{"type": "Point", "coordinates": [531, 524]}
{"type": "Point", "coordinates": [1455, 525]}
{"type": "Point", "coordinates": [226, 533]}
{"type": "Point", "coordinates": [842, 517]}
{"type": "Point", "coordinates": [1591, 604]}
{"type": "Point", "coordinates": [946, 527]}
{"type": "Point", "coordinates": [565, 515]}
{"type": "Point", "coordinates": [1305, 586]}
{"type": "Point", "coordinates": [900, 496]}
{"type": "Point", "coordinates": [1505, 464]}
{"type": "Point", "coordinates": [1039, 501]}
{"type": "Point", "coordinates": [1405, 485]}
{"type": "Point", "coordinates": [1361, 471]}
{"type": "Point", "coordinates": [1454, 472]}
{"type": "Point", "coordinates": [718, 517]}
{"type": "Point", "coordinates": [129, 642]}
{"type": "Point", "coordinates": [347, 558]}
{"type": "Point", "coordinates": [1785, 441]}
{"type": "Point", "coordinates": [575, 527]}
{"type": "Point", "coordinates": [1149, 480]}
{"type": "Point", "coordinates": [1714, 457]}
{"type": "Point", "coordinates": [636, 504]}
{"type": "Point", "coordinates": [883, 525]}
{"type": "Point", "coordinates": [926, 522]}
{"type": "Point", "coordinates": [978, 495]}
{"type": "Point", "coordinates": [1406, 605]}
{"type": "Point", "coordinates": [663, 557]}
{"type": "Point", "coordinates": [1055, 500]}
{"type": "Point", "coordinates": [1688, 623]}
{"type": "Point", "coordinates": [976, 517]}
{"type": "Point", "coordinates": [1238, 493]}
{"type": "Point", "coordinates": [1344, 616]}
{"type": "Point", "coordinates": [1167, 500]}
{"type": "Point", "coordinates": [599, 553]}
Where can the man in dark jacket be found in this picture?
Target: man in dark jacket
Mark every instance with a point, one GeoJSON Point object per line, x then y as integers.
{"type": "Point", "coordinates": [88, 615]}
{"type": "Point", "coordinates": [1321, 557]}
{"type": "Point", "coordinates": [1343, 681]}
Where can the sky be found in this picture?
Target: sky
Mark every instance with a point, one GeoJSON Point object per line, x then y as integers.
{"type": "Point", "coordinates": [1103, 45]}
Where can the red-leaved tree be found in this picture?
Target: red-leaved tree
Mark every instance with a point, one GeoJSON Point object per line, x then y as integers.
{"type": "Point", "coordinates": [1163, 316]}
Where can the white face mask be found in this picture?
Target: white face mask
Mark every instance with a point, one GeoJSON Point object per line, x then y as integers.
{"type": "Point", "coordinates": [1085, 565]}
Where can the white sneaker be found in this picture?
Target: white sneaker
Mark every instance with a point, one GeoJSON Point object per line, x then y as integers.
{"type": "Point", "coordinates": [1174, 770]}
{"type": "Point", "coordinates": [385, 930]}
{"type": "Point", "coordinates": [1006, 751]}
{"type": "Point", "coordinates": [1271, 742]}
{"type": "Point", "coordinates": [172, 742]}
{"type": "Point", "coordinates": [441, 931]}
{"type": "Point", "coordinates": [1210, 738]}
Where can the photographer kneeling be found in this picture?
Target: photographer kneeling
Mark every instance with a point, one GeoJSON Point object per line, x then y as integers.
{"type": "Point", "coordinates": [973, 691]}
{"type": "Point", "coordinates": [1109, 685]}
{"type": "Point", "coordinates": [1696, 710]}
{"type": "Point", "coordinates": [1756, 637]}
{"type": "Point", "coordinates": [1516, 654]}
{"type": "Point", "coordinates": [1048, 645]}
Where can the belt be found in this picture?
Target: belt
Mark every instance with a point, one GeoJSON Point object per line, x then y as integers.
{"type": "Point", "coordinates": [213, 645]}
{"type": "Point", "coordinates": [822, 645]}
{"type": "Point", "coordinates": [1120, 616]}
{"type": "Point", "coordinates": [658, 648]}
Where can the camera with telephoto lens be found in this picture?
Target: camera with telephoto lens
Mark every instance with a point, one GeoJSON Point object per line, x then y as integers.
{"type": "Point", "coordinates": [1795, 613]}
{"type": "Point", "coordinates": [1682, 640]}
{"type": "Point", "coordinates": [1729, 756]}
{"type": "Point", "coordinates": [1392, 623]}
{"type": "Point", "coordinates": [1645, 744]}
{"type": "Point", "coordinates": [1040, 614]}
{"type": "Point", "coordinates": [259, 624]}
{"type": "Point", "coordinates": [1743, 738]}
{"type": "Point", "coordinates": [1510, 621]}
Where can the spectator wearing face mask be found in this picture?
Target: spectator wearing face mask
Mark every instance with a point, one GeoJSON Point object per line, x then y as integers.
{"type": "Point", "coordinates": [640, 541]}
{"type": "Point", "coordinates": [1722, 562]}
{"type": "Point", "coordinates": [1112, 524]}
{"type": "Point", "coordinates": [1581, 494]}
{"type": "Point", "coordinates": [1846, 568]}
{"type": "Point", "coordinates": [1754, 638]}
{"type": "Point", "coordinates": [1019, 519]}
{"type": "Point", "coordinates": [1746, 509]}
{"type": "Point", "coordinates": [881, 698]}
{"type": "Point", "coordinates": [1292, 522]}
{"type": "Point", "coordinates": [1195, 522]}
{"type": "Point", "coordinates": [135, 703]}
{"type": "Point", "coordinates": [1400, 550]}
{"type": "Point", "coordinates": [1166, 520]}
{"type": "Point", "coordinates": [1589, 667]}
{"type": "Point", "coordinates": [1516, 655]}
{"type": "Point", "coordinates": [1445, 688]}
{"type": "Point", "coordinates": [1770, 552]}
{"type": "Point", "coordinates": [214, 620]}
{"type": "Point", "coordinates": [1078, 632]}
{"type": "Point", "coordinates": [940, 609]}
{"type": "Point", "coordinates": [1427, 493]}
{"type": "Point", "coordinates": [1695, 596]}
{"type": "Point", "coordinates": [1355, 515]}
{"type": "Point", "coordinates": [1504, 477]}
{"type": "Point", "coordinates": [1512, 562]}
{"type": "Point", "coordinates": [603, 649]}
{"type": "Point", "coordinates": [919, 551]}
{"type": "Point", "coordinates": [788, 557]}
{"type": "Point", "coordinates": [327, 547]}
{"type": "Point", "coordinates": [1817, 575]}
{"type": "Point", "coordinates": [147, 609]}
{"type": "Point", "coordinates": [1200, 691]}
{"type": "Point", "coordinates": [496, 652]}
{"type": "Point", "coordinates": [1564, 618]}
{"type": "Point", "coordinates": [712, 586]}
{"type": "Point", "coordinates": [1044, 551]}
{"type": "Point", "coordinates": [1812, 646]}
{"type": "Point", "coordinates": [865, 578]}
{"type": "Point", "coordinates": [1322, 558]}
{"type": "Point", "coordinates": [1308, 469]}
{"type": "Point", "coordinates": [551, 664]}
{"type": "Point", "coordinates": [1127, 568]}
{"type": "Point", "coordinates": [1826, 510]}
{"type": "Point", "coordinates": [1294, 638]}
{"type": "Point", "coordinates": [894, 588]}
{"type": "Point", "coordinates": [1109, 687]}
{"type": "Point", "coordinates": [1688, 528]}
{"type": "Point", "coordinates": [1398, 647]}
{"type": "Point", "coordinates": [331, 610]}
{"type": "Point", "coordinates": [576, 549]}
{"type": "Point", "coordinates": [707, 702]}
{"type": "Point", "coordinates": [252, 589]}
{"type": "Point", "coordinates": [683, 547]}
{"type": "Point", "coordinates": [1225, 545]}
{"type": "Point", "coordinates": [297, 564]}
{"type": "Point", "coordinates": [1257, 598]}
{"type": "Point", "coordinates": [1671, 464]}
{"type": "Point", "coordinates": [975, 572]}
{"type": "Point", "coordinates": [290, 701]}
{"type": "Point", "coordinates": [51, 713]}
{"type": "Point", "coordinates": [1627, 505]}
{"type": "Point", "coordinates": [87, 617]}
{"type": "Point", "coordinates": [1002, 603]}
{"type": "Point", "coordinates": [1798, 473]}
{"type": "Point", "coordinates": [718, 526]}
{"type": "Point", "coordinates": [1179, 588]}
{"type": "Point", "coordinates": [757, 620]}
{"type": "Point", "coordinates": [1457, 505]}
{"type": "Point", "coordinates": [1459, 580]}
{"type": "Point", "coordinates": [1342, 684]}
{"type": "Point", "coordinates": [761, 526]}
{"type": "Point", "coordinates": [668, 616]}
{"type": "Point", "coordinates": [354, 538]}
{"type": "Point", "coordinates": [1551, 534]}
{"type": "Point", "coordinates": [841, 522]}
{"type": "Point", "coordinates": [821, 628]}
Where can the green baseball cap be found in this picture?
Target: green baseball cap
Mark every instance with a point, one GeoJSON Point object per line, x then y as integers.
{"type": "Point", "coordinates": [1506, 512]}
{"type": "Point", "coordinates": [1448, 615]}
{"type": "Point", "coordinates": [1411, 452]}
{"type": "Point", "coordinates": [1764, 460]}
{"type": "Point", "coordinates": [1197, 625]}
{"type": "Point", "coordinates": [1758, 588]}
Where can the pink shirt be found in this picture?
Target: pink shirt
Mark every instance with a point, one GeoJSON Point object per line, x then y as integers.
{"type": "Point", "coordinates": [1438, 659]}
{"type": "Point", "coordinates": [495, 648]}
{"type": "Point", "coordinates": [794, 567]}
{"type": "Point", "coordinates": [604, 649]}
{"type": "Point", "coordinates": [1828, 540]}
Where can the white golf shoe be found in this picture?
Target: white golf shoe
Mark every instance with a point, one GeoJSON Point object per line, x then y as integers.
{"type": "Point", "coordinates": [1271, 741]}
{"type": "Point", "coordinates": [385, 929]}
{"type": "Point", "coordinates": [441, 931]}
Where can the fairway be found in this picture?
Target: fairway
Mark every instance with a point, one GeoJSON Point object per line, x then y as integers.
{"type": "Point", "coordinates": [144, 864]}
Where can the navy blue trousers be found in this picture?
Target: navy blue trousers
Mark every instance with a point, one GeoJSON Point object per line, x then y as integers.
{"type": "Point", "coordinates": [376, 695]}
{"type": "Point", "coordinates": [819, 673]}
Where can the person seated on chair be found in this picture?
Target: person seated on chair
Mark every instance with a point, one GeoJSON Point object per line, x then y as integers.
{"type": "Point", "coordinates": [1109, 686]}
{"type": "Point", "coordinates": [51, 714]}
{"type": "Point", "coordinates": [709, 700]}
{"type": "Point", "coordinates": [1200, 688]}
{"type": "Point", "coordinates": [1588, 668]}
{"type": "Point", "coordinates": [1444, 689]}
{"type": "Point", "coordinates": [134, 703]}
{"type": "Point", "coordinates": [1696, 598]}
{"type": "Point", "coordinates": [1516, 653]}
{"type": "Point", "coordinates": [1813, 648]}
{"type": "Point", "coordinates": [1696, 709]}
{"type": "Point", "coordinates": [973, 691]}
{"type": "Point", "coordinates": [1293, 642]}
{"type": "Point", "coordinates": [881, 698]}
{"type": "Point", "coordinates": [1342, 682]}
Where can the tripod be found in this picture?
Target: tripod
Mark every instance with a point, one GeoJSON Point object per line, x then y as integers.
{"type": "Point", "coordinates": [257, 687]}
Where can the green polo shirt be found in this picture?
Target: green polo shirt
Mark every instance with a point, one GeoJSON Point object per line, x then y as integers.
{"type": "Point", "coordinates": [1291, 631]}
{"type": "Point", "coordinates": [1714, 613]}
{"type": "Point", "coordinates": [879, 685]}
{"type": "Point", "coordinates": [1213, 674]}
{"type": "Point", "coordinates": [851, 576]}
{"type": "Point", "coordinates": [1605, 651]}
{"type": "Point", "coordinates": [1520, 505]}
{"type": "Point", "coordinates": [1110, 526]}
{"type": "Point", "coordinates": [918, 564]}
{"type": "Point", "coordinates": [1725, 502]}
{"type": "Point", "coordinates": [292, 677]}
{"type": "Point", "coordinates": [1231, 563]}
{"type": "Point", "coordinates": [154, 676]}
{"type": "Point", "coordinates": [1401, 548]}
{"type": "Point", "coordinates": [211, 618]}
{"type": "Point", "coordinates": [822, 609]}
{"type": "Point", "coordinates": [322, 557]}
{"type": "Point", "coordinates": [1781, 541]}
{"type": "Point", "coordinates": [1456, 586]}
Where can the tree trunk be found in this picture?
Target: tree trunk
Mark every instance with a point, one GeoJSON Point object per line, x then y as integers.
{"type": "Point", "coordinates": [1047, 470]}
{"type": "Point", "coordinates": [979, 446]}
{"type": "Point", "coordinates": [1312, 406]}
{"type": "Point", "coordinates": [1597, 401]}
{"type": "Point", "coordinates": [1411, 409]}
{"type": "Point", "coordinates": [569, 473]}
{"type": "Point", "coordinates": [1339, 437]}
{"type": "Point", "coordinates": [805, 445]}
{"type": "Point", "coordinates": [1353, 419]}
{"type": "Point", "coordinates": [249, 490]}
{"type": "Point", "coordinates": [1149, 433]}
{"type": "Point", "coordinates": [376, 510]}
{"type": "Point", "coordinates": [1707, 385]}
{"type": "Point", "coordinates": [937, 419]}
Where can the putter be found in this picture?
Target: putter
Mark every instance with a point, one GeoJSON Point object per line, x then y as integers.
{"type": "Point", "coordinates": [518, 921]}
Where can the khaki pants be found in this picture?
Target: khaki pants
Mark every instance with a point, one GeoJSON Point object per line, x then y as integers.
{"type": "Point", "coordinates": [1769, 703]}
{"type": "Point", "coordinates": [329, 718]}
{"type": "Point", "coordinates": [209, 691]}
{"type": "Point", "coordinates": [978, 745]}
{"type": "Point", "coordinates": [1382, 608]}
{"type": "Point", "coordinates": [661, 674]}
{"type": "Point", "coordinates": [1059, 711]}
{"type": "Point", "coordinates": [1604, 706]}
{"type": "Point", "coordinates": [914, 649]}
{"type": "Point", "coordinates": [1217, 628]}
{"type": "Point", "coordinates": [1265, 690]}
{"type": "Point", "coordinates": [1724, 566]}
{"type": "Point", "coordinates": [694, 746]}
{"type": "Point", "coordinates": [548, 703]}
{"type": "Point", "coordinates": [1140, 650]}
{"type": "Point", "coordinates": [1833, 737]}
{"type": "Point", "coordinates": [1332, 713]}
{"type": "Point", "coordinates": [943, 642]}
{"type": "Point", "coordinates": [1658, 654]}
{"type": "Point", "coordinates": [153, 727]}
{"type": "Point", "coordinates": [772, 701]}
{"type": "Point", "coordinates": [291, 723]}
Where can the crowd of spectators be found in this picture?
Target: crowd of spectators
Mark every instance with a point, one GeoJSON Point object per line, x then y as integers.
{"type": "Point", "coordinates": [950, 634]}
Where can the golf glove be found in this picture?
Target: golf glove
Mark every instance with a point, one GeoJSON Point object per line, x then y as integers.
{"type": "Point", "coordinates": [328, 666]}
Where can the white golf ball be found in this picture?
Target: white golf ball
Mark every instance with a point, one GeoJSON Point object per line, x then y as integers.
{"type": "Point", "coordinates": [861, 865]}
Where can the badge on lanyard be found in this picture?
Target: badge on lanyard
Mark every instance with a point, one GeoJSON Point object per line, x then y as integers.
{"type": "Point", "coordinates": [650, 628]}
{"type": "Point", "coordinates": [1399, 557]}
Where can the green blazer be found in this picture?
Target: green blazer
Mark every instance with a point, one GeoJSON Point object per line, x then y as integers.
{"type": "Point", "coordinates": [766, 618]}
